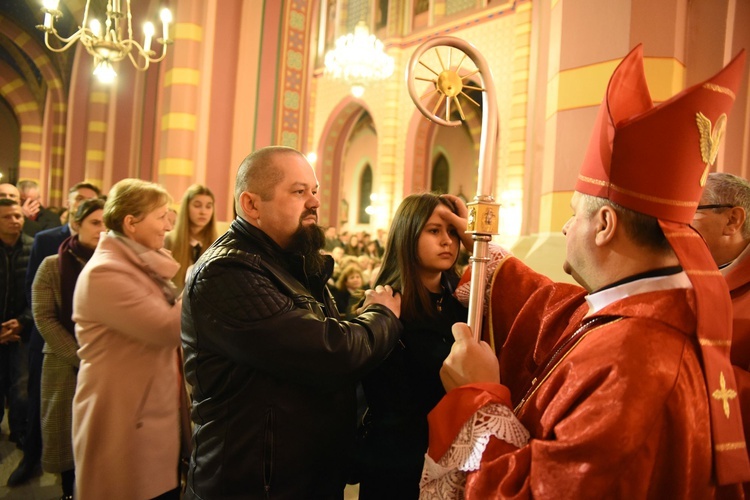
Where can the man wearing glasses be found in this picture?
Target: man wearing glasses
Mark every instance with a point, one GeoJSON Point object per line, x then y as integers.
{"type": "Point", "coordinates": [722, 219]}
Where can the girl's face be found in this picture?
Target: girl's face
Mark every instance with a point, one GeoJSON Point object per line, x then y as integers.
{"type": "Point", "coordinates": [354, 281]}
{"type": "Point", "coordinates": [438, 243]}
{"type": "Point", "coordinates": [91, 229]}
{"type": "Point", "coordinates": [201, 209]}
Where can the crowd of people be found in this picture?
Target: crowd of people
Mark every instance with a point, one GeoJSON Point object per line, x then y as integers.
{"type": "Point", "coordinates": [172, 362]}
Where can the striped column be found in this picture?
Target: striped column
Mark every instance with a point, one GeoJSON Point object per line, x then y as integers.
{"type": "Point", "coordinates": [28, 114]}
{"type": "Point", "coordinates": [294, 53]}
{"type": "Point", "coordinates": [96, 135]}
{"type": "Point", "coordinates": [579, 71]}
{"type": "Point", "coordinates": [511, 196]}
{"type": "Point", "coordinates": [55, 112]}
{"type": "Point", "coordinates": [176, 157]}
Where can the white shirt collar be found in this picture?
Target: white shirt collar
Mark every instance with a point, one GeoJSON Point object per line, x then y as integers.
{"type": "Point", "coordinates": [599, 300]}
{"type": "Point", "coordinates": [745, 254]}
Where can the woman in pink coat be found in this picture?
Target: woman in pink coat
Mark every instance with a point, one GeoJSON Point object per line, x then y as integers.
{"type": "Point", "coordinates": [126, 409]}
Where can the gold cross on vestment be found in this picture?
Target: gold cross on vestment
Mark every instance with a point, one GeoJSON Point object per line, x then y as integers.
{"type": "Point", "coordinates": [724, 394]}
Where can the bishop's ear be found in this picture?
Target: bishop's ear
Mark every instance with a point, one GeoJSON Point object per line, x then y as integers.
{"type": "Point", "coordinates": [735, 221]}
{"type": "Point", "coordinates": [606, 224]}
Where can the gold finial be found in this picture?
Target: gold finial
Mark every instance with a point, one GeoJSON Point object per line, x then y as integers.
{"type": "Point", "coordinates": [710, 140]}
{"type": "Point", "coordinates": [724, 394]}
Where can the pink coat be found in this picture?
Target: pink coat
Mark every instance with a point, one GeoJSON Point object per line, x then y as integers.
{"type": "Point", "coordinates": [126, 408]}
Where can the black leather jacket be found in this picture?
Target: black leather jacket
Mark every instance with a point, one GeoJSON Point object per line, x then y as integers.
{"type": "Point", "coordinates": [273, 372]}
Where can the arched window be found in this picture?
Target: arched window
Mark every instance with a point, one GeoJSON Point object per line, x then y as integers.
{"type": "Point", "coordinates": [440, 175]}
{"type": "Point", "coordinates": [365, 190]}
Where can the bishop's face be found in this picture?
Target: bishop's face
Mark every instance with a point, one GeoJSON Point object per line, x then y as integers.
{"type": "Point", "coordinates": [579, 233]}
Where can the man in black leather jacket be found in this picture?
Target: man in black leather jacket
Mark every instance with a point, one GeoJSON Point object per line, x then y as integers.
{"type": "Point", "coordinates": [272, 368]}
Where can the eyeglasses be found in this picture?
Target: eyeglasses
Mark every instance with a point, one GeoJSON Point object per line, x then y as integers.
{"type": "Point", "coordinates": [709, 207]}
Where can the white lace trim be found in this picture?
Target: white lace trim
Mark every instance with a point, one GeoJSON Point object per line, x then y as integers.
{"type": "Point", "coordinates": [497, 253]}
{"type": "Point", "coordinates": [446, 478]}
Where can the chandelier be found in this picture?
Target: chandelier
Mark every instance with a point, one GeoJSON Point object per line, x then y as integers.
{"type": "Point", "coordinates": [107, 43]}
{"type": "Point", "coordinates": [358, 59]}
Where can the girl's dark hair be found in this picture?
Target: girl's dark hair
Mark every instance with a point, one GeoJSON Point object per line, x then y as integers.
{"type": "Point", "coordinates": [399, 268]}
{"type": "Point", "coordinates": [86, 208]}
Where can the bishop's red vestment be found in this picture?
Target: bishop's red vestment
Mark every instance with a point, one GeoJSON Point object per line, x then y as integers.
{"type": "Point", "coordinates": [619, 410]}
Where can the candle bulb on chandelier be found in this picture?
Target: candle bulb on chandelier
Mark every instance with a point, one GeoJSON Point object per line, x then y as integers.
{"type": "Point", "coordinates": [148, 30]}
{"type": "Point", "coordinates": [96, 27]}
{"type": "Point", "coordinates": [166, 18]}
{"type": "Point", "coordinates": [48, 18]}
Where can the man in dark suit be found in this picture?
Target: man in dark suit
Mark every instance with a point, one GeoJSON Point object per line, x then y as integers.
{"type": "Point", "coordinates": [36, 217]}
{"type": "Point", "coordinates": [46, 243]}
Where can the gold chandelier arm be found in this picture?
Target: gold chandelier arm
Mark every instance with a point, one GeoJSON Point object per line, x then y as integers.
{"type": "Point", "coordinates": [67, 42]}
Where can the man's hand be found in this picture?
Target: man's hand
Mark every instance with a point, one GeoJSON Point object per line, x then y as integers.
{"type": "Point", "coordinates": [382, 295]}
{"type": "Point", "coordinates": [30, 208]}
{"type": "Point", "coordinates": [10, 331]}
{"type": "Point", "coordinates": [469, 361]}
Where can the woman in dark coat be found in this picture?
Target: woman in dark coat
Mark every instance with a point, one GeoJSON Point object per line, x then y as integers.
{"type": "Point", "coordinates": [52, 302]}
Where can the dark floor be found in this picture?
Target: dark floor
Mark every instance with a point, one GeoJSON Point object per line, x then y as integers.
{"type": "Point", "coordinates": [43, 487]}
{"type": "Point", "coordinates": [47, 486]}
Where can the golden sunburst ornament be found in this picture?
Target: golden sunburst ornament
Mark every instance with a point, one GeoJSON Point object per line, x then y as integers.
{"type": "Point", "coordinates": [449, 84]}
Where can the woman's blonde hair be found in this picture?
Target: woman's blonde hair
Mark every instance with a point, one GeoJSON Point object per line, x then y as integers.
{"type": "Point", "coordinates": [178, 240]}
{"type": "Point", "coordinates": [132, 197]}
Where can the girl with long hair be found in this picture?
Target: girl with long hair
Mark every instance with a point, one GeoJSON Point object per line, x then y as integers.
{"type": "Point", "coordinates": [194, 231]}
{"type": "Point", "coordinates": [419, 261]}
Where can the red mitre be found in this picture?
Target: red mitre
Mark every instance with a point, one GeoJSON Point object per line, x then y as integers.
{"type": "Point", "coordinates": [655, 160]}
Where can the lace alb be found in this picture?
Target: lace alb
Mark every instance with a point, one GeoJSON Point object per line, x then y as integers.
{"type": "Point", "coordinates": [446, 478]}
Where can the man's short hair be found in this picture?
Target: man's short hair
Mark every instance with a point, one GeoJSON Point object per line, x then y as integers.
{"type": "Point", "coordinates": [643, 229]}
{"type": "Point", "coordinates": [84, 185]}
{"type": "Point", "coordinates": [259, 172]}
{"type": "Point", "coordinates": [8, 202]}
{"type": "Point", "coordinates": [24, 186]}
{"type": "Point", "coordinates": [728, 189]}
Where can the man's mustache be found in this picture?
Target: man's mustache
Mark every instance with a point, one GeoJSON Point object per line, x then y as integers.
{"type": "Point", "coordinates": [306, 213]}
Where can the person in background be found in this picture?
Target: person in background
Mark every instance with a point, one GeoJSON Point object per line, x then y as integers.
{"type": "Point", "coordinates": [10, 191]}
{"type": "Point", "coordinates": [194, 231]}
{"type": "Point", "coordinates": [621, 387]}
{"type": "Point", "coordinates": [353, 246]}
{"type": "Point", "coordinates": [37, 217]}
{"type": "Point", "coordinates": [273, 368]}
{"type": "Point", "coordinates": [126, 310]}
{"type": "Point", "coordinates": [332, 239]}
{"type": "Point", "coordinates": [16, 317]}
{"type": "Point", "coordinates": [366, 265]}
{"type": "Point", "coordinates": [349, 291]}
{"type": "Point", "coordinates": [46, 243]}
{"type": "Point", "coordinates": [722, 219]}
{"type": "Point", "coordinates": [64, 215]}
{"type": "Point", "coordinates": [419, 261]}
{"type": "Point", "coordinates": [52, 305]}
